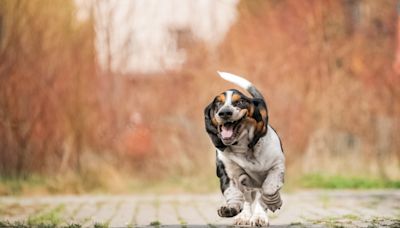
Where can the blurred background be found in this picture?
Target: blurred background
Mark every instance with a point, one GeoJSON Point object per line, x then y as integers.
{"type": "Point", "coordinates": [108, 96]}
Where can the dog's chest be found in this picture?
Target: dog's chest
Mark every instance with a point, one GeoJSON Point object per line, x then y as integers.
{"type": "Point", "coordinates": [248, 160]}
{"type": "Point", "coordinates": [248, 164]}
{"type": "Point", "coordinates": [260, 159]}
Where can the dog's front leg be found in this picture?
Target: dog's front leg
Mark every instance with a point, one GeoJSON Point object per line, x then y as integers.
{"type": "Point", "coordinates": [234, 201]}
{"type": "Point", "coordinates": [270, 197]}
{"type": "Point", "coordinates": [228, 172]}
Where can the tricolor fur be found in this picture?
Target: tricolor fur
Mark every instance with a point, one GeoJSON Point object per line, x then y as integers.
{"type": "Point", "coordinates": [250, 160]}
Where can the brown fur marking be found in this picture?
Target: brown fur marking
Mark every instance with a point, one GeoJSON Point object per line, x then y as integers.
{"type": "Point", "coordinates": [214, 122]}
{"type": "Point", "coordinates": [251, 110]}
{"type": "Point", "coordinates": [235, 97]}
{"type": "Point", "coordinates": [260, 126]}
{"type": "Point", "coordinates": [263, 113]}
{"type": "Point", "coordinates": [221, 98]}
{"type": "Point", "coordinates": [251, 121]}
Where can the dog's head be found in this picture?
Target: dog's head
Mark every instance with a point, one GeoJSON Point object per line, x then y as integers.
{"type": "Point", "coordinates": [230, 114]}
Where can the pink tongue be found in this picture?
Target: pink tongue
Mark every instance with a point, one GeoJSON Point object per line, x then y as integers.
{"type": "Point", "coordinates": [226, 132]}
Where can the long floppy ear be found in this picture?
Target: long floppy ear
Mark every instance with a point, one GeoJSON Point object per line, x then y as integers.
{"type": "Point", "coordinates": [260, 115]}
{"type": "Point", "coordinates": [211, 126]}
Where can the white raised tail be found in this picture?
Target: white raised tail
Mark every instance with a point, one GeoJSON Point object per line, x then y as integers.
{"type": "Point", "coordinates": [241, 82]}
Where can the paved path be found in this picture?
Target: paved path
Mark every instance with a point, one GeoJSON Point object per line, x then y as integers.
{"type": "Point", "coordinates": [301, 209]}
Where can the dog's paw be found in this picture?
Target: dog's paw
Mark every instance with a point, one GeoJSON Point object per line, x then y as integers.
{"type": "Point", "coordinates": [259, 219]}
{"type": "Point", "coordinates": [227, 211]}
{"type": "Point", "coordinates": [272, 202]}
{"type": "Point", "coordinates": [243, 218]}
{"type": "Point", "coordinates": [274, 207]}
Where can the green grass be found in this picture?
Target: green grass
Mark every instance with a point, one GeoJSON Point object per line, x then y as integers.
{"type": "Point", "coordinates": [13, 224]}
{"type": "Point", "coordinates": [349, 220]}
{"type": "Point", "coordinates": [15, 186]}
{"type": "Point", "coordinates": [204, 183]}
{"type": "Point", "coordinates": [73, 225]}
{"type": "Point", "coordinates": [344, 182]}
{"type": "Point", "coordinates": [20, 224]}
{"type": "Point", "coordinates": [75, 184]}
{"type": "Point", "coordinates": [101, 225]}
{"type": "Point", "coordinates": [332, 221]}
{"type": "Point", "coordinates": [351, 217]}
{"type": "Point", "coordinates": [48, 219]}
{"type": "Point", "coordinates": [155, 223]}
{"type": "Point", "coordinates": [296, 224]}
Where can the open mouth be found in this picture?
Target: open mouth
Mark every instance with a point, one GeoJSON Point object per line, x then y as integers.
{"type": "Point", "coordinates": [229, 129]}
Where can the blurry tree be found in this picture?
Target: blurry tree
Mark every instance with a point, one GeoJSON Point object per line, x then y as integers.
{"type": "Point", "coordinates": [44, 52]}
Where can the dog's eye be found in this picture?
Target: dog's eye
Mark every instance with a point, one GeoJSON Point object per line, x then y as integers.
{"type": "Point", "coordinates": [239, 102]}
{"type": "Point", "coordinates": [218, 103]}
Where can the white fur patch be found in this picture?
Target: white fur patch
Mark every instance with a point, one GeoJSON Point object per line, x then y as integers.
{"type": "Point", "coordinates": [235, 79]}
{"type": "Point", "coordinates": [259, 216]}
{"type": "Point", "coordinates": [244, 217]}
{"type": "Point", "coordinates": [228, 100]}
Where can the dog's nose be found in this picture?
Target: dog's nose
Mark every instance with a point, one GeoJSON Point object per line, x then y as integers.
{"type": "Point", "coordinates": [225, 113]}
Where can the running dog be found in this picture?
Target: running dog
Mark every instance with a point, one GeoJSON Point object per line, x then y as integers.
{"type": "Point", "coordinates": [249, 156]}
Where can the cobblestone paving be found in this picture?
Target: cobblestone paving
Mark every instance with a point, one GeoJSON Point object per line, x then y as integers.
{"type": "Point", "coordinates": [301, 209]}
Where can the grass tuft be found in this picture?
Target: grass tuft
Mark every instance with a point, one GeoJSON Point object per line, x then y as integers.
{"type": "Point", "coordinates": [73, 225]}
{"type": "Point", "coordinates": [155, 223]}
{"type": "Point", "coordinates": [16, 224]}
{"type": "Point", "coordinates": [101, 225]}
{"type": "Point", "coordinates": [47, 219]}
{"type": "Point", "coordinates": [351, 217]}
{"type": "Point", "coordinates": [317, 180]}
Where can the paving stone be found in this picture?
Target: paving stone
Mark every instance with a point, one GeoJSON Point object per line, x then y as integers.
{"type": "Point", "coordinates": [104, 214]}
{"type": "Point", "coordinates": [124, 216]}
{"type": "Point", "coordinates": [167, 214]}
{"type": "Point", "coordinates": [306, 208]}
{"type": "Point", "coordinates": [146, 214]}
{"type": "Point", "coordinates": [23, 213]}
{"type": "Point", "coordinates": [189, 214]}
{"type": "Point", "coordinates": [209, 211]}
{"type": "Point", "coordinates": [85, 213]}
{"type": "Point", "coordinates": [70, 212]}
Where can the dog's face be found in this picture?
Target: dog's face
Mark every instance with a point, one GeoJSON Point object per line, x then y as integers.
{"type": "Point", "coordinates": [231, 109]}
{"type": "Point", "coordinates": [231, 113]}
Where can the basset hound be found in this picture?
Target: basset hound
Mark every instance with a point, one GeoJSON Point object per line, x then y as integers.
{"type": "Point", "coordinates": [249, 156]}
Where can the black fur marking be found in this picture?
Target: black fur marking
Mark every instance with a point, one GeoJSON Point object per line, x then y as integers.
{"type": "Point", "coordinates": [211, 128]}
{"type": "Point", "coordinates": [222, 175]}
{"type": "Point", "coordinates": [255, 93]}
{"type": "Point", "coordinates": [259, 104]}
{"type": "Point", "coordinates": [227, 212]}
